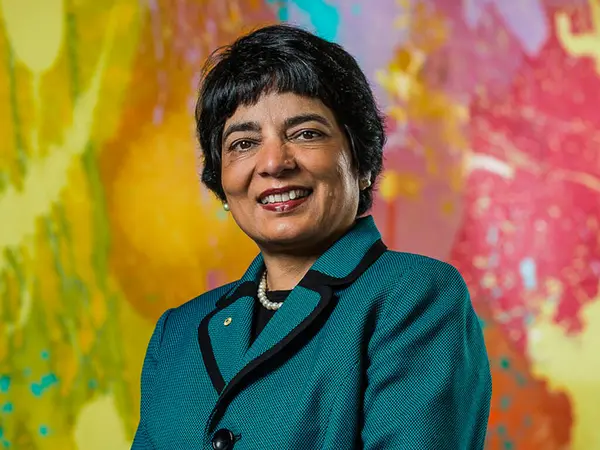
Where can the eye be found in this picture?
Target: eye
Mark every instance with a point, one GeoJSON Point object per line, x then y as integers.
{"type": "Point", "coordinates": [242, 145]}
{"type": "Point", "coordinates": [308, 135]}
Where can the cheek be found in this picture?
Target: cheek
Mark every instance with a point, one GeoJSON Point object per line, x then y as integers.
{"type": "Point", "coordinates": [340, 181]}
{"type": "Point", "coordinates": [226, 181]}
{"type": "Point", "coordinates": [346, 173]}
{"type": "Point", "coordinates": [338, 177]}
{"type": "Point", "coordinates": [333, 167]}
{"type": "Point", "coordinates": [233, 178]}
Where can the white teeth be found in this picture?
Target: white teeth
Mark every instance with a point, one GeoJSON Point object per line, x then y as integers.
{"type": "Point", "coordinates": [284, 197]}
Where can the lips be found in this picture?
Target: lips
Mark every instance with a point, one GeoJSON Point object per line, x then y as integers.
{"type": "Point", "coordinates": [284, 196]}
{"type": "Point", "coordinates": [284, 200]}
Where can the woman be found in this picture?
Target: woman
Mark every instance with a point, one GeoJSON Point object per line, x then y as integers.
{"type": "Point", "coordinates": [329, 340]}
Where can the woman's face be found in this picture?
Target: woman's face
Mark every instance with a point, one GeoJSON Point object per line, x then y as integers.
{"type": "Point", "coordinates": [287, 173]}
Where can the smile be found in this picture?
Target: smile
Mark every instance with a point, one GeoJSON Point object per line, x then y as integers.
{"type": "Point", "coordinates": [282, 197]}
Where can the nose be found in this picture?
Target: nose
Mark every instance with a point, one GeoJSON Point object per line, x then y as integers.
{"type": "Point", "coordinates": [275, 158]}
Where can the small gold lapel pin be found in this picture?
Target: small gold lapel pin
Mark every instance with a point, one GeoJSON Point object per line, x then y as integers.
{"type": "Point", "coordinates": [227, 321]}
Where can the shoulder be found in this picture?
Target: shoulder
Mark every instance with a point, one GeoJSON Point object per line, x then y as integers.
{"type": "Point", "coordinates": [414, 280]}
{"type": "Point", "coordinates": [425, 299]}
{"type": "Point", "coordinates": [398, 265]}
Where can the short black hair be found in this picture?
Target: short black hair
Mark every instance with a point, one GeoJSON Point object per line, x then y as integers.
{"type": "Point", "coordinates": [286, 59]}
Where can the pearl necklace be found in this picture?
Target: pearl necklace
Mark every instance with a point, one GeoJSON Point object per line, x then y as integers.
{"type": "Point", "coordinates": [262, 295]}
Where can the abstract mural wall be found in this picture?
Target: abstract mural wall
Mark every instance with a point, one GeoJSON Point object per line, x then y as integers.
{"type": "Point", "coordinates": [493, 164]}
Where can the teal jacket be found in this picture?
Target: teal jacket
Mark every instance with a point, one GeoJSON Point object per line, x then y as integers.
{"type": "Point", "coordinates": [373, 349]}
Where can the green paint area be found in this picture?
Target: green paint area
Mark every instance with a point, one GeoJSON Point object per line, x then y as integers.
{"type": "Point", "coordinates": [46, 383]}
{"type": "Point", "coordinates": [4, 383]}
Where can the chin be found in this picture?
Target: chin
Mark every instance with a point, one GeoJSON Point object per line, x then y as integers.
{"type": "Point", "coordinates": [284, 235]}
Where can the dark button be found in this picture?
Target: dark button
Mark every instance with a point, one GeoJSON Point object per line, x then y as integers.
{"type": "Point", "coordinates": [223, 439]}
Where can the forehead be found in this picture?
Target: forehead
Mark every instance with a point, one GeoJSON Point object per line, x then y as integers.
{"type": "Point", "coordinates": [278, 107]}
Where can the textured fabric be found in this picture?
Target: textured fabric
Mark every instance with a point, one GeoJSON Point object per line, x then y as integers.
{"type": "Point", "coordinates": [387, 354]}
{"type": "Point", "coordinates": [262, 315]}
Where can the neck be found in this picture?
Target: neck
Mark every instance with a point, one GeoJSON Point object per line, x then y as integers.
{"type": "Point", "coordinates": [286, 268]}
{"type": "Point", "coordinates": [284, 272]}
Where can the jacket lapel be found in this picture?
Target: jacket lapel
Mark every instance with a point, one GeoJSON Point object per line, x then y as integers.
{"type": "Point", "coordinates": [229, 357]}
{"type": "Point", "coordinates": [296, 308]}
{"type": "Point", "coordinates": [224, 334]}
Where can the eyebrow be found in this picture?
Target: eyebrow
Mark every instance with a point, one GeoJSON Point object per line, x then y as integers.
{"type": "Point", "coordinates": [288, 123]}
{"type": "Point", "coordinates": [302, 118]}
{"type": "Point", "coordinates": [241, 126]}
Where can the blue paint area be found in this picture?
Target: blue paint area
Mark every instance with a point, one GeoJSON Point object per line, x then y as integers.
{"type": "Point", "coordinates": [282, 12]}
{"type": "Point", "coordinates": [36, 389]}
{"type": "Point", "coordinates": [529, 318]}
{"type": "Point", "coordinates": [493, 260]}
{"type": "Point", "coordinates": [46, 382]}
{"type": "Point", "coordinates": [527, 268]}
{"type": "Point", "coordinates": [43, 430]}
{"type": "Point", "coordinates": [521, 381]}
{"type": "Point", "coordinates": [6, 444]}
{"type": "Point", "coordinates": [92, 384]}
{"type": "Point", "coordinates": [492, 236]}
{"type": "Point", "coordinates": [1, 432]}
{"type": "Point", "coordinates": [281, 9]}
{"type": "Point", "coordinates": [356, 9]}
{"type": "Point", "coordinates": [45, 354]}
{"type": "Point", "coordinates": [501, 429]}
{"type": "Point", "coordinates": [49, 379]}
{"type": "Point", "coordinates": [505, 402]}
{"type": "Point", "coordinates": [7, 408]}
{"type": "Point", "coordinates": [4, 383]}
{"type": "Point", "coordinates": [496, 292]}
{"type": "Point", "coordinates": [527, 23]}
{"type": "Point", "coordinates": [505, 363]}
{"type": "Point", "coordinates": [324, 17]}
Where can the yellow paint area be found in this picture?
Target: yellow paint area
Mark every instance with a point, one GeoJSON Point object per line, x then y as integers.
{"type": "Point", "coordinates": [98, 426]}
{"type": "Point", "coordinates": [571, 364]}
{"type": "Point", "coordinates": [394, 184]}
{"type": "Point", "coordinates": [47, 176]}
{"type": "Point", "coordinates": [35, 29]}
{"type": "Point", "coordinates": [586, 45]}
{"type": "Point", "coordinates": [54, 302]}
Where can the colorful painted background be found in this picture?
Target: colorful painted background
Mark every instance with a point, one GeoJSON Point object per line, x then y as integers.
{"type": "Point", "coordinates": [493, 164]}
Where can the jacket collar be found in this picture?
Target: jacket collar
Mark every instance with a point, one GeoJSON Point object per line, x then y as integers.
{"type": "Point", "coordinates": [229, 357]}
{"type": "Point", "coordinates": [334, 266]}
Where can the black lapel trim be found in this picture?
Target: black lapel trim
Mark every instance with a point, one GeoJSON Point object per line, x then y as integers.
{"type": "Point", "coordinates": [247, 288]}
{"type": "Point", "coordinates": [210, 362]}
{"type": "Point", "coordinates": [326, 296]}
{"type": "Point", "coordinates": [313, 280]}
